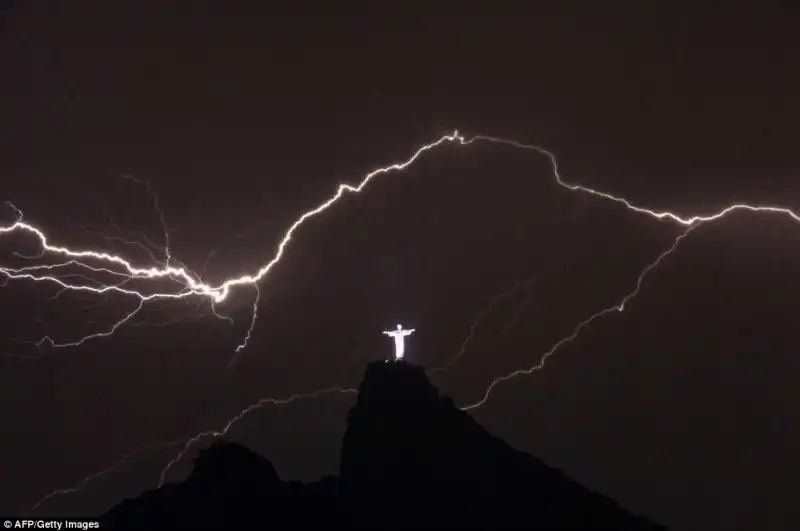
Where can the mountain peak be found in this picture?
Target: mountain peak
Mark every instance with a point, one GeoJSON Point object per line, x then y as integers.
{"type": "Point", "coordinates": [405, 441]}
{"type": "Point", "coordinates": [396, 387]}
{"type": "Point", "coordinates": [404, 444]}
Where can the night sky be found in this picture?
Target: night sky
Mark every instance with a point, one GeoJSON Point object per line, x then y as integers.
{"type": "Point", "coordinates": [241, 117]}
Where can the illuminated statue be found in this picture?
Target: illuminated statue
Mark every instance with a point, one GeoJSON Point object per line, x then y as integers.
{"type": "Point", "coordinates": [399, 336]}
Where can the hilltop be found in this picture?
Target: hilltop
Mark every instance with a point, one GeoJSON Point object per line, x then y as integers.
{"type": "Point", "coordinates": [409, 459]}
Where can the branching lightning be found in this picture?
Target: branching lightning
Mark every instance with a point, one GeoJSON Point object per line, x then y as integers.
{"type": "Point", "coordinates": [187, 442]}
{"type": "Point", "coordinates": [482, 315]}
{"type": "Point", "coordinates": [249, 332]}
{"type": "Point", "coordinates": [188, 284]}
{"type": "Point", "coordinates": [168, 279]}
{"type": "Point", "coordinates": [108, 470]}
{"type": "Point", "coordinates": [522, 307]}
{"type": "Point", "coordinates": [618, 307]}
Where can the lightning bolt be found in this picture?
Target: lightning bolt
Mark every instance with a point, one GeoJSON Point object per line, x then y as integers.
{"type": "Point", "coordinates": [249, 332]}
{"type": "Point", "coordinates": [161, 216]}
{"type": "Point", "coordinates": [183, 283]}
{"type": "Point", "coordinates": [108, 470]}
{"type": "Point", "coordinates": [618, 307]}
{"type": "Point", "coordinates": [522, 307]}
{"type": "Point", "coordinates": [239, 416]}
{"type": "Point", "coordinates": [189, 284]}
{"type": "Point", "coordinates": [660, 215]}
{"type": "Point", "coordinates": [187, 442]}
{"type": "Point", "coordinates": [481, 316]}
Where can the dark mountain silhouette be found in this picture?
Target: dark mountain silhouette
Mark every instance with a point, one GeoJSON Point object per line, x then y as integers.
{"type": "Point", "coordinates": [410, 459]}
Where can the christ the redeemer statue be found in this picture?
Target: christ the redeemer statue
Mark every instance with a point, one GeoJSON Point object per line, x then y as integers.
{"type": "Point", "coordinates": [399, 336]}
